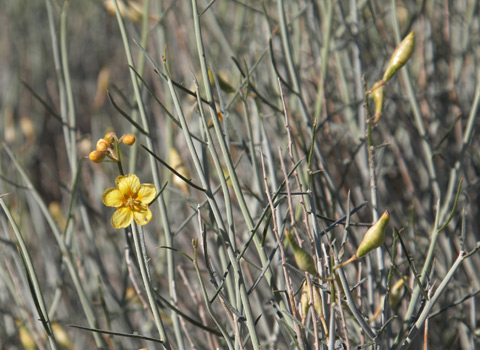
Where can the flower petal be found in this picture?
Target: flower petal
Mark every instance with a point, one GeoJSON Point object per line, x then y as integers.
{"type": "Point", "coordinates": [147, 193]}
{"type": "Point", "coordinates": [113, 198]}
{"type": "Point", "coordinates": [122, 217]}
{"type": "Point", "coordinates": [128, 184]}
{"type": "Point", "coordinates": [143, 217]}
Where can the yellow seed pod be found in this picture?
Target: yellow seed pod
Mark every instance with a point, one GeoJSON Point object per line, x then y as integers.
{"type": "Point", "coordinates": [317, 301]}
{"type": "Point", "coordinates": [377, 93]}
{"type": "Point", "coordinates": [102, 145]}
{"type": "Point", "coordinates": [227, 177]}
{"type": "Point", "coordinates": [130, 12]}
{"type": "Point", "coordinates": [375, 236]}
{"type": "Point", "coordinates": [96, 156]}
{"type": "Point", "coordinates": [26, 339]}
{"type": "Point", "coordinates": [222, 82]}
{"type": "Point", "coordinates": [128, 139]}
{"type": "Point", "coordinates": [400, 56]}
{"type": "Point", "coordinates": [103, 81]}
{"type": "Point", "coordinates": [396, 293]}
{"type": "Point", "coordinates": [177, 164]}
{"type": "Point", "coordinates": [61, 336]}
{"type": "Point", "coordinates": [131, 296]}
{"type": "Point", "coordinates": [304, 302]}
{"type": "Point", "coordinates": [56, 211]}
{"type": "Point", "coordinates": [306, 298]}
{"type": "Point", "coordinates": [303, 260]}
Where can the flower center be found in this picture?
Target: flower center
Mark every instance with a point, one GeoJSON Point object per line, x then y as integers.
{"type": "Point", "coordinates": [132, 203]}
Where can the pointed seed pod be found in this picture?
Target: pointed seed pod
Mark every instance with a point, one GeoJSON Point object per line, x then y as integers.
{"type": "Point", "coordinates": [176, 163]}
{"type": "Point", "coordinates": [400, 56]}
{"type": "Point", "coordinates": [375, 236]}
{"type": "Point", "coordinates": [223, 83]}
{"type": "Point", "coordinates": [303, 260]}
{"type": "Point", "coordinates": [61, 336]}
{"type": "Point", "coordinates": [377, 92]}
{"type": "Point", "coordinates": [396, 293]}
{"type": "Point", "coordinates": [317, 301]}
{"type": "Point", "coordinates": [304, 302]}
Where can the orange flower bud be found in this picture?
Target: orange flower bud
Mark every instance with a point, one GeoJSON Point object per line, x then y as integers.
{"type": "Point", "coordinates": [96, 156]}
{"type": "Point", "coordinates": [128, 139]}
{"type": "Point", "coordinates": [110, 137]}
{"type": "Point", "coordinates": [375, 236]}
{"type": "Point", "coordinates": [400, 56]}
{"type": "Point", "coordinates": [102, 145]}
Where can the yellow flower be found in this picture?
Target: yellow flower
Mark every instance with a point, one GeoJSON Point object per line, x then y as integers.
{"type": "Point", "coordinates": [131, 200]}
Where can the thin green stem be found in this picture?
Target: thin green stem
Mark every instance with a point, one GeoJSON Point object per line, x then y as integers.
{"type": "Point", "coordinates": [144, 271]}
{"type": "Point", "coordinates": [156, 178]}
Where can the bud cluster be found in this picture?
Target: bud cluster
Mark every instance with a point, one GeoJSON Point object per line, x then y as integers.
{"type": "Point", "coordinates": [106, 146]}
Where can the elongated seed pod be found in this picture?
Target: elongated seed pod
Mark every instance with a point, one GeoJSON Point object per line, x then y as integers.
{"type": "Point", "coordinates": [304, 260]}
{"type": "Point", "coordinates": [400, 56]}
{"type": "Point", "coordinates": [375, 236]}
{"type": "Point", "coordinates": [176, 163]}
{"type": "Point", "coordinates": [396, 293]}
{"type": "Point", "coordinates": [304, 302]}
{"type": "Point", "coordinates": [378, 90]}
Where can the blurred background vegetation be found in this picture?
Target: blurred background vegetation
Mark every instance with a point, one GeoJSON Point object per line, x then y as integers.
{"type": "Point", "coordinates": [305, 62]}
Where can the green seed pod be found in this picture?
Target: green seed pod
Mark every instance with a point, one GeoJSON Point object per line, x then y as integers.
{"type": "Point", "coordinates": [224, 85]}
{"type": "Point", "coordinates": [396, 293]}
{"type": "Point", "coordinates": [400, 56]}
{"type": "Point", "coordinates": [304, 260]}
{"type": "Point", "coordinates": [304, 302]}
{"type": "Point", "coordinates": [377, 92]}
{"type": "Point", "coordinates": [375, 236]}
{"type": "Point", "coordinates": [317, 301]}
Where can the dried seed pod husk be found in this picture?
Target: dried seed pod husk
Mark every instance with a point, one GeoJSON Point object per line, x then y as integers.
{"type": "Point", "coordinates": [400, 56]}
{"type": "Point", "coordinates": [375, 236]}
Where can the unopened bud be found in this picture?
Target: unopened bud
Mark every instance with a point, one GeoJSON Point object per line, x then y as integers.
{"type": "Point", "coordinates": [110, 137]}
{"type": "Point", "coordinates": [96, 156]}
{"type": "Point", "coordinates": [102, 145]}
{"type": "Point", "coordinates": [128, 139]}
{"type": "Point", "coordinates": [400, 56]}
{"type": "Point", "coordinates": [375, 236]}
